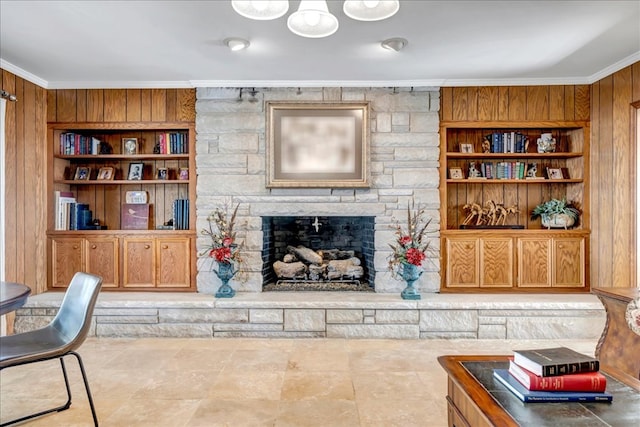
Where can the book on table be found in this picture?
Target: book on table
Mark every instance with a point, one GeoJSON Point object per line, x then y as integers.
{"type": "Point", "coordinates": [548, 362]}
{"type": "Point", "coordinates": [510, 383]}
{"type": "Point", "coordinates": [582, 381]}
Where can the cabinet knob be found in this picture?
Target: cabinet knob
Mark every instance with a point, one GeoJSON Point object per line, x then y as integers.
{"type": "Point", "coordinates": [93, 246]}
{"type": "Point", "coordinates": [75, 246]}
{"type": "Point", "coordinates": [165, 247]}
{"type": "Point", "coordinates": [147, 246]}
{"type": "Point", "coordinates": [560, 246]}
{"type": "Point", "coordinates": [469, 246]}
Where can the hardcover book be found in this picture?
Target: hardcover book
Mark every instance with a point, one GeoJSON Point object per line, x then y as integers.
{"type": "Point", "coordinates": [506, 379]}
{"type": "Point", "coordinates": [584, 381]}
{"type": "Point", "coordinates": [548, 362]}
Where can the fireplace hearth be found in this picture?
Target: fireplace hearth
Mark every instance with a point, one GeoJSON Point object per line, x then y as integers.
{"type": "Point", "coordinates": [318, 253]}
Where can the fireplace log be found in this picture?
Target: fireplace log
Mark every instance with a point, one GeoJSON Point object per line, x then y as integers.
{"type": "Point", "coordinates": [306, 254]}
{"type": "Point", "coordinates": [290, 270]}
{"type": "Point", "coordinates": [332, 254]}
{"type": "Point", "coordinates": [348, 268]}
{"type": "Point", "coordinates": [317, 272]}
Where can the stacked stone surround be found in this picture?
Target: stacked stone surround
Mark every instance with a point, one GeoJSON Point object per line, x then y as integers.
{"type": "Point", "coordinates": [231, 168]}
{"type": "Point", "coordinates": [332, 315]}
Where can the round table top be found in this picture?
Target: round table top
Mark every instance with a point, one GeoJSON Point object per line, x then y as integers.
{"type": "Point", "coordinates": [12, 296]}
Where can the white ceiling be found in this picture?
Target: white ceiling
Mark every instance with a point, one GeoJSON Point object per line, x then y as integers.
{"type": "Point", "coordinates": [107, 44]}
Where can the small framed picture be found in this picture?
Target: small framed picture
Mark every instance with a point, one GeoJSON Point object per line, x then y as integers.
{"type": "Point", "coordinates": [105, 173]}
{"type": "Point", "coordinates": [466, 148]}
{"type": "Point", "coordinates": [162, 173]}
{"type": "Point", "coordinates": [456, 173]}
{"type": "Point", "coordinates": [82, 173]}
{"type": "Point", "coordinates": [129, 146]}
{"type": "Point", "coordinates": [183, 173]}
{"type": "Point", "coordinates": [555, 173]}
{"type": "Point", "coordinates": [135, 171]}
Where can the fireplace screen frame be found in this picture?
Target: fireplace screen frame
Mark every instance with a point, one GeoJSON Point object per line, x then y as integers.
{"type": "Point", "coordinates": [297, 126]}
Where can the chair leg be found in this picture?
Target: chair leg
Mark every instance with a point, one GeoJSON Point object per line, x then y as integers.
{"type": "Point", "coordinates": [48, 411]}
{"type": "Point", "coordinates": [86, 386]}
{"type": "Point", "coordinates": [68, 388]}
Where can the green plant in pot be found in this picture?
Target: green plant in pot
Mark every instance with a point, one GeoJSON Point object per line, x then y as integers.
{"type": "Point", "coordinates": [556, 213]}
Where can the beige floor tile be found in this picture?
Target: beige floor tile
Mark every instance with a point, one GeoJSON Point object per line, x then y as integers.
{"type": "Point", "coordinates": [247, 385]}
{"type": "Point", "coordinates": [389, 385]}
{"type": "Point", "coordinates": [152, 413]}
{"type": "Point", "coordinates": [320, 413]}
{"type": "Point", "coordinates": [402, 413]}
{"type": "Point", "coordinates": [317, 385]}
{"type": "Point", "coordinates": [183, 384]}
{"type": "Point", "coordinates": [262, 359]}
{"type": "Point", "coordinates": [246, 413]}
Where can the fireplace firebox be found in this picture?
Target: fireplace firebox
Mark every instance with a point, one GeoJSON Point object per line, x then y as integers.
{"type": "Point", "coordinates": [316, 249]}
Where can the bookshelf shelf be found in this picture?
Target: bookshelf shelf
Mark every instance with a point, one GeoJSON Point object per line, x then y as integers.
{"type": "Point", "coordinates": [530, 259]}
{"type": "Point", "coordinates": [154, 256]}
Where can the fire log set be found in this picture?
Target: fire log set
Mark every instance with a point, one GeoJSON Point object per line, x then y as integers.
{"type": "Point", "coordinates": [304, 264]}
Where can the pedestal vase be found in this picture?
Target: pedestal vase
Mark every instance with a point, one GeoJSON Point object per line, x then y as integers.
{"type": "Point", "coordinates": [225, 272]}
{"type": "Point", "coordinates": [410, 273]}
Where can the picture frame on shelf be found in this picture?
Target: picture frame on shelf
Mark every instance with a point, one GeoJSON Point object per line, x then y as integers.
{"type": "Point", "coordinates": [183, 174]}
{"type": "Point", "coordinates": [456, 173]}
{"type": "Point", "coordinates": [317, 144]}
{"type": "Point", "coordinates": [466, 148]}
{"type": "Point", "coordinates": [83, 173]}
{"type": "Point", "coordinates": [105, 173]}
{"type": "Point", "coordinates": [162, 174]}
{"type": "Point", "coordinates": [130, 146]}
{"type": "Point", "coordinates": [135, 171]}
{"type": "Point", "coordinates": [554, 173]}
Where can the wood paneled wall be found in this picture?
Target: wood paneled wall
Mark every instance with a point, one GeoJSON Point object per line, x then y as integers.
{"type": "Point", "coordinates": [515, 103]}
{"type": "Point", "coordinates": [613, 179]}
{"type": "Point", "coordinates": [25, 170]}
{"type": "Point", "coordinates": [121, 105]}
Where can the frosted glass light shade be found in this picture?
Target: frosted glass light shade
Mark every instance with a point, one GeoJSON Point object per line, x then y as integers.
{"type": "Point", "coordinates": [312, 20]}
{"type": "Point", "coordinates": [261, 10]}
{"type": "Point", "coordinates": [370, 10]}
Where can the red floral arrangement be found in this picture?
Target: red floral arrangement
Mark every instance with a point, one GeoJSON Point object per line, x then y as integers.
{"type": "Point", "coordinates": [223, 247]}
{"type": "Point", "coordinates": [410, 244]}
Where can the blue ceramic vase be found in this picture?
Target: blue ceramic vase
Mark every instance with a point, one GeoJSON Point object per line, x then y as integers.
{"type": "Point", "coordinates": [410, 273]}
{"type": "Point", "coordinates": [225, 272]}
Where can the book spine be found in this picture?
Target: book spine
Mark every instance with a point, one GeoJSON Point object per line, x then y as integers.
{"type": "Point", "coordinates": [576, 382]}
{"type": "Point", "coordinates": [578, 398]}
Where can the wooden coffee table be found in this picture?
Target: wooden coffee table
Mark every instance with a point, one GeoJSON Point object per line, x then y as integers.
{"type": "Point", "coordinates": [475, 399]}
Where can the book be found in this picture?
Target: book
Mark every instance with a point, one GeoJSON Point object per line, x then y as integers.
{"type": "Point", "coordinates": [548, 362]}
{"type": "Point", "coordinates": [505, 378]}
{"type": "Point", "coordinates": [583, 381]}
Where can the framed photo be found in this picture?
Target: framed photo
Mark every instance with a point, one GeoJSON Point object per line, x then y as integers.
{"type": "Point", "coordinates": [456, 173]}
{"type": "Point", "coordinates": [105, 173]}
{"type": "Point", "coordinates": [466, 148]}
{"type": "Point", "coordinates": [162, 173]}
{"type": "Point", "coordinates": [555, 173]}
{"type": "Point", "coordinates": [129, 146]}
{"type": "Point", "coordinates": [183, 173]}
{"type": "Point", "coordinates": [317, 144]}
{"type": "Point", "coordinates": [135, 171]}
{"type": "Point", "coordinates": [82, 173]}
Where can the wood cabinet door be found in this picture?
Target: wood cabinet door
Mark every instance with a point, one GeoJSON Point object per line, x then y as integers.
{"type": "Point", "coordinates": [174, 262]}
{"type": "Point", "coordinates": [66, 260]}
{"type": "Point", "coordinates": [139, 257]}
{"type": "Point", "coordinates": [534, 262]}
{"type": "Point", "coordinates": [568, 256]}
{"type": "Point", "coordinates": [496, 262]}
{"type": "Point", "coordinates": [462, 262]}
{"type": "Point", "coordinates": [101, 258]}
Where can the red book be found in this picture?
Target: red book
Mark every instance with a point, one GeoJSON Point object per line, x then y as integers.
{"type": "Point", "coordinates": [584, 381]}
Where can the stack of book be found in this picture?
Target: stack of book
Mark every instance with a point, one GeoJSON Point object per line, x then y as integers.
{"type": "Point", "coordinates": [554, 375]}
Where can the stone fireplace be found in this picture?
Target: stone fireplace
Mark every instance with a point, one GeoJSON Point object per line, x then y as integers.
{"type": "Point", "coordinates": [231, 164]}
{"type": "Point", "coordinates": [348, 234]}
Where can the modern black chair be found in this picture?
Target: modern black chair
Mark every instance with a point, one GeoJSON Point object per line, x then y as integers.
{"type": "Point", "coordinates": [66, 332]}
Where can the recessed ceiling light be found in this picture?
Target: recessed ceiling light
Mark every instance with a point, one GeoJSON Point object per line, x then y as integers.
{"type": "Point", "coordinates": [236, 43]}
{"type": "Point", "coordinates": [395, 44]}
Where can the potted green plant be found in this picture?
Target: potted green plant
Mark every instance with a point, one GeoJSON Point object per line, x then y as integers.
{"type": "Point", "coordinates": [556, 213]}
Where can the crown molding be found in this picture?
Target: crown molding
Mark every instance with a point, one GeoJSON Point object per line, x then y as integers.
{"type": "Point", "coordinates": [23, 74]}
{"type": "Point", "coordinates": [121, 85]}
{"type": "Point", "coordinates": [606, 72]}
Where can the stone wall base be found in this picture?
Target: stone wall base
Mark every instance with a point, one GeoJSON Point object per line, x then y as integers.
{"type": "Point", "coordinates": [332, 315]}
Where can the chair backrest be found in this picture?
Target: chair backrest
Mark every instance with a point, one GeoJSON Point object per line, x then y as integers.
{"type": "Point", "coordinates": [73, 320]}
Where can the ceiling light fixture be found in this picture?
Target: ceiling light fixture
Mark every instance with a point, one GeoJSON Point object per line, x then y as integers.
{"type": "Point", "coordinates": [262, 10]}
{"type": "Point", "coordinates": [236, 43]}
{"type": "Point", "coordinates": [370, 10]}
{"type": "Point", "coordinates": [313, 20]}
{"type": "Point", "coordinates": [395, 44]}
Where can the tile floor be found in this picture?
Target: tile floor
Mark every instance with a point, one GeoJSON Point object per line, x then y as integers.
{"type": "Point", "coordinates": [251, 382]}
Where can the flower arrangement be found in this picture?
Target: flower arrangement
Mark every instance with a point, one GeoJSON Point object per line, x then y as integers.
{"type": "Point", "coordinates": [223, 247]}
{"type": "Point", "coordinates": [411, 244]}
